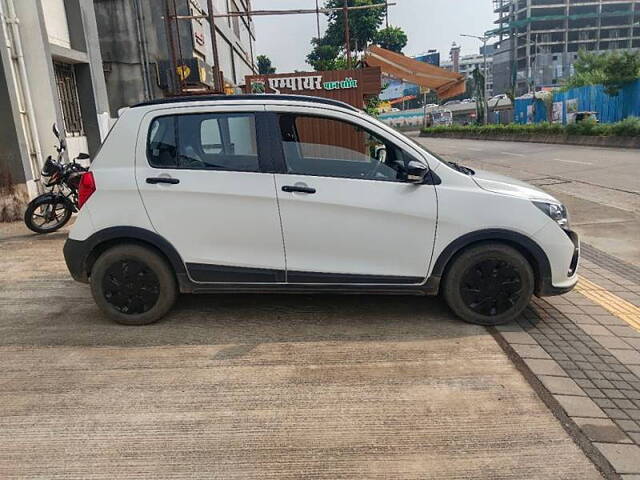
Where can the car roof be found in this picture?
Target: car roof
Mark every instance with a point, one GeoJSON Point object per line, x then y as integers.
{"type": "Point", "coordinates": [258, 98]}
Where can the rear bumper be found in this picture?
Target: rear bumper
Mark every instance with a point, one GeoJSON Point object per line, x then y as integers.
{"type": "Point", "coordinates": [75, 256]}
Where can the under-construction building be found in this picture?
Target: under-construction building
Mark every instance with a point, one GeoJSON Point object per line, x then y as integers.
{"type": "Point", "coordinates": [539, 40]}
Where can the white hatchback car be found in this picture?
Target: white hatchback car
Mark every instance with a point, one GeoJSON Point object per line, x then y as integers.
{"type": "Point", "coordinates": [261, 193]}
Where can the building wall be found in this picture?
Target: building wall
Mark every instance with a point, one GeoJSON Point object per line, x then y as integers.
{"type": "Point", "coordinates": [135, 46]}
{"type": "Point", "coordinates": [544, 36]}
{"type": "Point", "coordinates": [56, 22]}
{"type": "Point", "coordinates": [468, 63]}
{"type": "Point", "coordinates": [47, 37]}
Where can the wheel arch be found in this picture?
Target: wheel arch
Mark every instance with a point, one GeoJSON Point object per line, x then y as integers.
{"type": "Point", "coordinates": [529, 249]}
{"type": "Point", "coordinates": [101, 241]}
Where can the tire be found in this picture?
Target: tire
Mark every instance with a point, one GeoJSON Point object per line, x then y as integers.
{"type": "Point", "coordinates": [46, 208]}
{"type": "Point", "coordinates": [489, 284]}
{"type": "Point", "coordinates": [133, 285]}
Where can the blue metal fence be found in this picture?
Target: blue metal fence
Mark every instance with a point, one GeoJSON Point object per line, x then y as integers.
{"type": "Point", "coordinates": [610, 109]}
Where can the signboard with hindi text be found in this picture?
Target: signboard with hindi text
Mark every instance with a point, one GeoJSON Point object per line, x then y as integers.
{"type": "Point", "coordinates": [350, 86]}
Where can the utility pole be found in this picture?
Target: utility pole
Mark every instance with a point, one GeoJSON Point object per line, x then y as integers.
{"type": "Point", "coordinates": [318, 17]}
{"type": "Point", "coordinates": [386, 6]}
{"type": "Point", "coordinates": [484, 41]}
{"type": "Point", "coordinates": [347, 38]}
{"type": "Point", "coordinates": [217, 76]}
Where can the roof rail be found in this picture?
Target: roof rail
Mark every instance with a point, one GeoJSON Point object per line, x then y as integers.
{"type": "Point", "coordinates": [208, 98]}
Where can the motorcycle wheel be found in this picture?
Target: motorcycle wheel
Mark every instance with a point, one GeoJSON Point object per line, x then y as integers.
{"type": "Point", "coordinates": [46, 215]}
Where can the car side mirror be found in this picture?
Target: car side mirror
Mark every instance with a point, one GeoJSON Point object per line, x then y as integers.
{"type": "Point", "coordinates": [416, 171]}
{"type": "Point", "coordinates": [84, 156]}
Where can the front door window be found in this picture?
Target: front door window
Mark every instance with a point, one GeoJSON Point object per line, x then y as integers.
{"type": "Point", "coordinates": [325, 147]}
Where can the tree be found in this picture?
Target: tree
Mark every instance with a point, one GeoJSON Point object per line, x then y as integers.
{"type": "Point", "coordinates": [323, 56]}
{"type": "Point", "coordinates": [363, 26]}
{"type": "Point", "coordinates": [264, 65]}
{"type": "Point", "coordinates": [612, 69]}
{"type": "Point", "coordinates": [391, 38]}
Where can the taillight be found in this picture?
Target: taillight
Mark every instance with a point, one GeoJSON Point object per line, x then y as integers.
{"type": "Point", "coordinates": [86, 188]}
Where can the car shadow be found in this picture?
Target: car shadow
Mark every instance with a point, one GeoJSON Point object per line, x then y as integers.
{"type": "Point", "coordinates": [237, 320]}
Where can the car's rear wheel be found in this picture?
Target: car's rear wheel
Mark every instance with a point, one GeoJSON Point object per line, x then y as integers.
{"type": "Point", "coordinates": [489, 284]}
{"type": "Point", "coordinates": [133, 285]}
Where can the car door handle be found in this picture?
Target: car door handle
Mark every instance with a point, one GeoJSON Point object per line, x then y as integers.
{"type": "Point", "coordinates": [298, 189]}
{"type": "Point", "coordinates": [169, 180]}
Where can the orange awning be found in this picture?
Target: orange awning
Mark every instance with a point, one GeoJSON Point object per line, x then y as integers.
{"type": "Point", "coordinates": [446, 84]}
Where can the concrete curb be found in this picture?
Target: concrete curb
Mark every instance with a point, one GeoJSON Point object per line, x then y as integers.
{"type": "Point", "coordinates": [582, 140]}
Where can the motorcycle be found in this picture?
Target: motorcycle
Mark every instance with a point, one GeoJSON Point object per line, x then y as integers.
{"type": "Point", "coordinates": [53, 209]}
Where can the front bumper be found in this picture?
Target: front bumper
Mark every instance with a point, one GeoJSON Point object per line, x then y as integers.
{"type": "Point", "coordinates": [547, 287]}
{"type": "Point", "coordinates": [75, 256]}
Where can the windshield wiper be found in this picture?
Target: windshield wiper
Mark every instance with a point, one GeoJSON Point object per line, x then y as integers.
{"type": "Point", "coordinates": [461, 168]}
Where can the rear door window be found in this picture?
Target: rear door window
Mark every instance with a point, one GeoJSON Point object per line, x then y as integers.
{"type": "Point", "coordinates": [204, 142]}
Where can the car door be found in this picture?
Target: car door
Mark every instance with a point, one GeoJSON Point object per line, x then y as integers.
{"type": "Point", "coordinates": [206, 184]}
{"type": "Point", "coordinates": [348, 215]}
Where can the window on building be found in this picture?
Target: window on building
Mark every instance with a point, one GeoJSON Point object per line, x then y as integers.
{"type": "Point", "coordinates": [235, 21]}
{"type": "Point", "coordinates": [68, 97]}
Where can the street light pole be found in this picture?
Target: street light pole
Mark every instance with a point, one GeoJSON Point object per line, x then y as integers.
{"type": "Point", "coordinates": [484, 41]}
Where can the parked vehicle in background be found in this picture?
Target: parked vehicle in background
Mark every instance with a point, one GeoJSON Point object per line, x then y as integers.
{"type": "Point", "coordinates": [278, 193]}
{"type": "Point", "coordinates": [439, 117]}
{"type": "Point", "coordinates": [578, 117]}
{"type": "Point", "coordinates": [52, 210]}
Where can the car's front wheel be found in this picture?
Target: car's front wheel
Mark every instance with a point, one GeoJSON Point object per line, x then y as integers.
{"type": "Point", "coordinates": [489, 284]}
{"type": "Point", "coordinates": [133, 285]}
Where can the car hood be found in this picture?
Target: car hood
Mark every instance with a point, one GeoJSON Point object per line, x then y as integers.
{"type": "Point", "coordinates": [504, 185]}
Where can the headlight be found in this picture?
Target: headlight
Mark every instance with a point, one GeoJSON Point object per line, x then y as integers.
{"type": "Point", "coordinates": [557, 213]}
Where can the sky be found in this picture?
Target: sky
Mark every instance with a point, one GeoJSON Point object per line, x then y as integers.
{"type": "Point", "coordinates": [428, 24]}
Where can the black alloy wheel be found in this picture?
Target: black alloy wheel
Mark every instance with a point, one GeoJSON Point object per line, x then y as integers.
{"type": "Point", "coordinates": [133, 284]}
{"type": "Point", "coordinates": [491, 287]}
{"type": "Point", "coordinates": [488, 284]}
{"type": "Point", "coordinates": [130, 287]}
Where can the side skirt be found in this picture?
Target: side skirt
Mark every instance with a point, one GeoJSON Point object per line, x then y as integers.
{"type": "Point", "coordinates": [218, 279]}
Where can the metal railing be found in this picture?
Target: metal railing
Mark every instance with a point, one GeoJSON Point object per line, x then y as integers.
{"type": "Point", "coordinates": [68, 96]}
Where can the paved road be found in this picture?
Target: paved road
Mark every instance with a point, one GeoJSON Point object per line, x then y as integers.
{"type": "Point", "coordinates": [600, 186]}
{"type": "Point", "coordinates": [258, 387]}
{"type": "Point", "coordinates": [336, 387]}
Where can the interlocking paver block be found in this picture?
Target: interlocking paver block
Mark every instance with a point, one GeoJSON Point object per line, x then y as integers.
{"type": "Point", "coordinates": [594, 393]}
{"type": "Point", "coordinates": [604, 402]}
{"type": "Point", "coordinates": [611, 342]}
{"type": "Point", "coordinates": [624, 458]}
{"type": "Point", "coordinates": [624, 331]}
{"type": "Point", "coordinates": [628, 425]}
{"type": "Point", "coordinates": [545, 367]}
{"type": "Point", "coordinates": [561, 385]}
{"type": "Point", "coordinates": [603, 383]}
{"type": "Point", "coordinates": [601, 430]}
{"type": "Point", "coordinates": [613, 393]}
{"type": "Point", "coordinates": [628, 357]}
{"type": "Point", "coordinates": [595, 329]}
{"type": "Point", "coordinates": [615, 413]}
{"type": "Point", "coordinates": [518, 338]}
{"type": "Point", "coordinates": [580, 407]}
{"type": "Point", "coordinates": [531, 351]}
